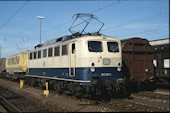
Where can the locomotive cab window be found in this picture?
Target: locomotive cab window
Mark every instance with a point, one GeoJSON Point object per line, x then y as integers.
{"type": "Point", "coordinates": [95, 46]}
{"type": "Point", "coordinates": [44, 53]}
{"type": "Point", "coordinates": [113, 47]}
{"type": "Point", "coordinates": [50, 52]}
{"type": "Point", "coordinates": [57, 51]}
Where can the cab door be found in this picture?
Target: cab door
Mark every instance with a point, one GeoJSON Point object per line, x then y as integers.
{"type": "Point", "coordinates": [72, 59]}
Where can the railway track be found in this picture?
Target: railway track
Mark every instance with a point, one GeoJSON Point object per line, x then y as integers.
{"type": "Point", "coordinates": [7, 106]}
{"type": "Point", "coordinates": [163, 85]}
{"type": "Point", "coordinates": [144, 101]}
{"type": "Point", "coordinates": [157, 94]}
{"type": "Point", "coordinates": [14, 102]}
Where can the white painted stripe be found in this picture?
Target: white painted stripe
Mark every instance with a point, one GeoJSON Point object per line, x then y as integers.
{"type": "Point", "coordinates": [159, 42]}
{"type": "Point", "coordinates": [59, 78]}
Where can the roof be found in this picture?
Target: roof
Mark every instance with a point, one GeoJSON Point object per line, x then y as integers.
{"type": "Point", "coordinates": [66, 37]}
{"type": "Point", "coordinates": [159, 41]}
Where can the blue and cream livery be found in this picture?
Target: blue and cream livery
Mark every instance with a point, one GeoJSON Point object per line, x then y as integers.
{"type": "Point", "coordinates": [77, 59]}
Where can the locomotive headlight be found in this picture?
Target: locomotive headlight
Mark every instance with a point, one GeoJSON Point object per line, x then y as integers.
{"type": "Point", "coordinates": [119, 69]}
{"type": "Point", "coordinates": [92, 69]}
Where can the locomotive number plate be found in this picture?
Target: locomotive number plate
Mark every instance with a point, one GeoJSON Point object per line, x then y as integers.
{"type": "Point", "coordinates": [106, 74]}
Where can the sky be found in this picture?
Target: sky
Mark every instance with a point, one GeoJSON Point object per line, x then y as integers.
{"type": "Point", "coordinates": [20, 29]}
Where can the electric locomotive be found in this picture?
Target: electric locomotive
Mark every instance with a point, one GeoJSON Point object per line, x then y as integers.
{"type": "Point", "coordinates": [82, 64]}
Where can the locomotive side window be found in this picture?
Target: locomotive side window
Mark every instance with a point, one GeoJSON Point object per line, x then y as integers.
{"type": "Point", "coordinates": [44, 53]}
{"type": "Point", "coordinates": [35, 55]}
{"type": "Point", "coordinates": [39, 54]}
{"type": "Point", "coordinates": [113, 46]}
{"type": "Point", "coordinates": [57, 51]}
{"type": "Point", "coordinates": [50, 52]}
{"type": "Point", "coordinates": [30, 56]}
{"type": "Point", "coordinates": [73, 49]}
{"type": "Point", "coordinates": [95, 46]}
{"type": "Point", "coordinates": [64, 50]}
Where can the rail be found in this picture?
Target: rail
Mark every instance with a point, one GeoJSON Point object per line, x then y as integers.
{"type": "Point", "coordinates": [8, 105]}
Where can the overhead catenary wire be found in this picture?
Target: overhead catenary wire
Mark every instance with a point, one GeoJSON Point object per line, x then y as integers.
{"type": "Point", "coordinates": [117, 26]}
{"type": "Point", "coordinates": [98, 9]}
{"type": "Point", "coordinates": [49, 17]}
{"type": "Point", "coordinates": [33, 35]}
{"type": "Point", "coordinates": [141, 32]}
{"type": "Point", "coordinates": [63, 24]}
{"type": "Point", "coordinates": [14, 15]}
{"type": "Point", "coordinates": [133, 21]}
{"type": "Point", "coordinates": [106, 6]}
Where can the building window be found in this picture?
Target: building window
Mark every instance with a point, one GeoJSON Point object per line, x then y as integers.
{"type": "Point", "coordinates": [44, 53]}
{"type": "Point", "coordinates": [64, 50]}
{"type": "Point", "coordinates": [50, 52]}
{"type": "Point", "coordinates": [39, 54]}
{"type": "Point", "coordinates": [57, 51]}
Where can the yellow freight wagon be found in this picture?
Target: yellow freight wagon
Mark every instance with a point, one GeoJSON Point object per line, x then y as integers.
{"type": "Point", "coordinates": [17, 63]}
